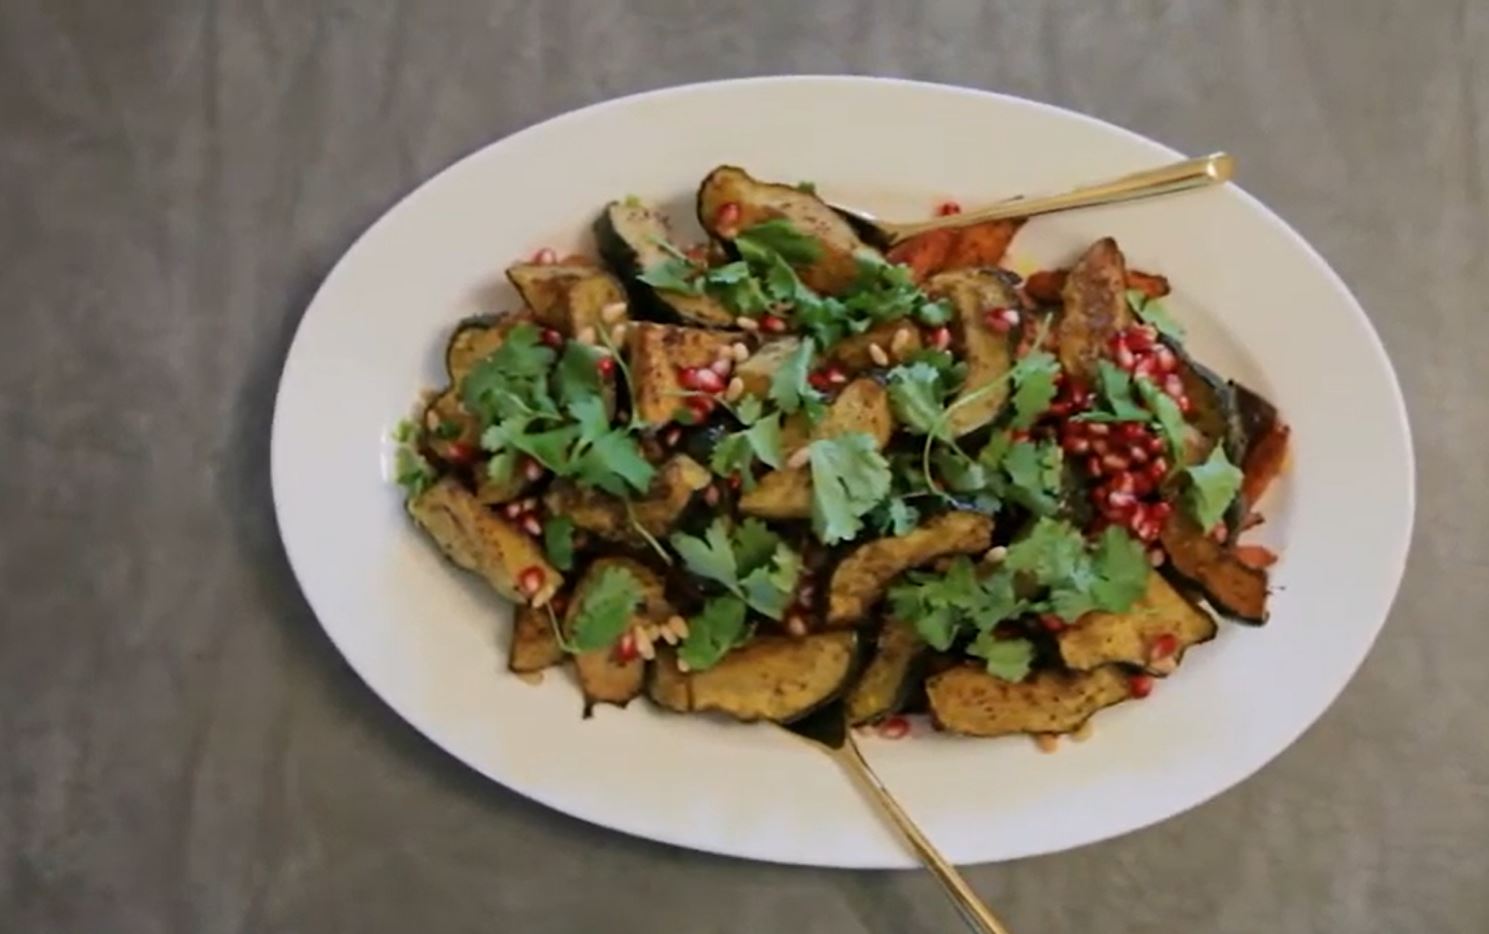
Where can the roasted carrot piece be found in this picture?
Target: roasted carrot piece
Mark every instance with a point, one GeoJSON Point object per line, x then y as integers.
{"type": "Point", "coordinates": [1264, 462]}
{"type": "Point", "coordinates": [1257, 557]}
{"type": "Point", "coordinates": [1150, 284]}
{"type": "Point", "coordinates": [925, 254]}
{"type": "Point", "coordinates": [981, 244]}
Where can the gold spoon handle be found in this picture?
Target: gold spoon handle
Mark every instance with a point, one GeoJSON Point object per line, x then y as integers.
{"type": "Point", "coordinates": [1213, 169]}
{"type": "Point", "coordinates": [977, 915]}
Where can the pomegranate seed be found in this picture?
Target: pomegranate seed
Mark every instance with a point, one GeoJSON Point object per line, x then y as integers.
{"type": "Point", "coordinates": [1185, 406]}
{"type": "Point", "coordinates": [532, 470]}
{"type": "Point", "coordinates": [1124, 358]}
{"type": "Point", "coordinates": [711, 495]}
{"type": "Point", "coordinates": [727, 217]}
{"type": "Point", "coordinates": [736, 480]}
{"type": "Point", "coordinates": [1142, 484]}
{"type": "Point", "coordinates": [1173, 386]}
{"type": "Point", "coordinates": [948, 208]}
{"type": "Point", "coordinates": [1051, 622]}
{"type": "Point", "coordinates": [1148, 532]}
{"type": "Point", "coordinates": [672, 436]}
{"type": "Point", "coordinates": [625, 649]}
{"type": "Point", "coordinates": [1076, 444]}
{"type": "Point", "coordinates": [1143, 369]}
{"type": "Point", "coordinates": [1140, 686]}
{"type": "Point", "coordinates": [1160, 511]}
{"type": "Point", "coordinates": [1093, 466]}
{"type": "Point", "coordinates": [1011, 315]}
{"type": "Point", "coordinates": [1156, 557]}
{"type": "Point", "coordinates": [513, 510]}
{"type": "Point", "coordinates": [895, 727]}
{"type": "Point", "coordinates": [461, 452]}
{"type": "Point", "coordinates": [995, 321]}
{"type": "Point", "coordinates": [530, 579]}
{"type": "Point", "coordinates": [1164, 645]}
{"type": "Point", "coordinates": [1018, 434]}
{"type": "Point", "coordinates": [1137, 454]}
{"type": "Point", "coordinates": [1164, 359]}
{"type": "Point", "coordinates": [1123, 481]}
{"type": "Point", "coordinates": [605, 366]}
{"type": "Point", "coordinates": [1131, 431]}
{"type": "Point", "coordinates": [707, 380]}
{"type": "Point", "coordinates": [836, 376]}
{"type": "Point", "coordinates": [818, 380]}
{"type": "Point", "coordinates": [552, 338]}
{"type": "Point", "coordinates": [1098, 429]}
{"type": "Point", "coordinates": [1155, 444]}
{"type": "Point", "coordinates": [701, 407]}
{"type": "Point", "coordinates": [1141, 337]}
{"type": "Point", "coordinates": [1115, 462]}
{"type": "Point", "coordinates": [559, 603]}
{"type": "Point", "coordinates": [1118, 499]}
{"type": "Point", "coordinates": [939, 338]}
{"type": "Point", "coordinates": [1158, 469]}
{"type": "Point", "coordinates": [1101, 446]}
{"type": "Point", "coordinates": [531, 525]}
{"type": "Point", "coordinates": [1059, 408]}
{"type": "Point", "coordinates": [1220, 533]}
{"type": "Point", "coordinates": [723, 367]}
{"type": "Point", "coordinates": [547, 256]}
{"type": "Point", "coordinates": [772, 324]}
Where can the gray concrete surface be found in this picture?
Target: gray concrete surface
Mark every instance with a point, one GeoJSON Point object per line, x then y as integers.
{"type": "Point", "coordinates": [181, 750]}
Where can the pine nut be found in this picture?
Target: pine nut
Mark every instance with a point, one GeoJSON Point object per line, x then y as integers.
{"type": "Point", "coordinates": [618, 334]}
{"type": "Point", "coordinates": [746, 324]}
{"type": "Point", "coordinates": [996, 554]}
{"type": "Point", "coordinates": [531, 677]}
{"type": "Point", "coordinates": [901, 341]}
{"type": "Point", "coordinates": [679, 625]}
{"type": "Point", "coordinates": [796, 626]}
{"type": "Point", "coordinates": [1047, 742]}
{"type": "Point", "coordinates": [740, 351]}
{"type": "Point", "coordinates": [800, 459]}
{"type": "Point", "coordinates": [735, 390]}
{"type": "Point", "coordinates": [613, 312]}
{"type": "Point", "coordinates": [646, 649]}
{"type": "Point", "coordinates": [877, 354]}
{"type": "Point", "coordinates": [586, 336]}
{"type": "Point", "coordinates": [682, 666]}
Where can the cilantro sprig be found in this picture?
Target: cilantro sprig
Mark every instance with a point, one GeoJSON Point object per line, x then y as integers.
{"type": "Point", "coordinates": [1049, 569]}
{"type": "Point", "coordinates": [604, 610]}
{"type": "Point", "coordinates": [749, 561]}
{"type": "Point", "coordinates": [1213, 485]}
{"type": "Point", "coordinates": [849, 478]}
{"type": "Point", "coordinates": [1153, 312]}
{"type": "Point", "coordinates": [410, 468]}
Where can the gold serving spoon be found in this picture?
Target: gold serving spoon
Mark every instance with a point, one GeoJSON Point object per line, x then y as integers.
{"type": "Point", "coordinates": [1180, 176]}
{"type": "Point", "coordinates": [827, 729]}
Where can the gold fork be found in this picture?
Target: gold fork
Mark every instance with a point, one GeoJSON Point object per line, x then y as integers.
{"type": "Point", "coordinates": [827, 729]}
{"type": "Point", "coordinates": [1213, 169]}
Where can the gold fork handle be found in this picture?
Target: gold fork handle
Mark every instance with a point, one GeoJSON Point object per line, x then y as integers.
{"type": "Point", "coordinates": [1213, 169]}
{"type": "Point", "coordinates": [976, 914]}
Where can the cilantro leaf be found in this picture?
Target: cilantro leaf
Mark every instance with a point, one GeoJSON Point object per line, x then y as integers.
{"type": "Point", "coordinates": [558, 541]}
{"type": "Point", "coordinates": [605, 609]}
{"type": "Point", "coordinates": [1212, 486]}
{"type": "Point", "coordinates": [673, 275]}
{"type": "Point", "coordinates": [1153, 312]}
{"type": "Point", "coordinates": [754, 543]}
{"type": "Point", "coordinates": [789, 388]}
{"type": "Point", "coordinates": [1122, 569]}
{"type": "Point", "coordinates": [577, 376]}
{"type": "Point", "coordinates": [1035, 474]}
{"type": "Point", "coordinates": [765, 439]}
{"type": "Point", "coordinates": [412, 471]}
{"type": "Point", "coordinates": [512, 380]}
{"type": "Point", "coordinates": [780, 237]}
{"type": "Point", "coordinates": [1050, 551]}
{"type": "Point", "coordinates": [769, 587]}
{"type": "Point", "coordinates": [1115, 384]}
{"type": "Point", "coordinates": [1033, 386]}
{"type": "Point", "coordinates": [996, 600]}
{"type": "Point", "coordinates": [849, 477]}
{"type": "Point", "coordinates": [713, 632]}
{"type": "Point", "coordinates": [1008, 659]}
{"type": "Point", "coordinates": [960, 473]}
{"type": "Point", "coordinates": [916, 394]}
{"type": "Point", "coordinates": [894, 516]}
{"type": "Point", "coordinates": [1170, 418]}
{"type": "Point", "coordinates": [614, 462]}
{"type": "Point", "coordinates": [711, 556]}
{"type": "Point", "coordinates": [942, 606]}
{"type": "Point", "coordinates": [739, 290]}
{"type": "Point", "coordinates": [736, 452]}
